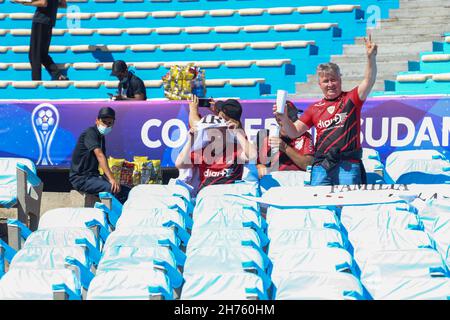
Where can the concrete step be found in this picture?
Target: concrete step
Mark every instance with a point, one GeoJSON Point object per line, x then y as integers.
{"type": "Point", "coordinates": [411, 21]}
{"type": "Point", "coordinates": [404, 27]}
{"type": "Point", "coordinates": [390, 49]}
{"type": "Point", "coordinates": [350, 68]}
{"type": "Point", "coordinates": [403, 4]}
{"type": "Point", "coordinates": [381, 57]}
{"type": "Point", "coordinates": [440, 11]}
{"type": "Point", "coordinates": [401, 39]}
{"type": "Point", "coordinates": [405, 31]}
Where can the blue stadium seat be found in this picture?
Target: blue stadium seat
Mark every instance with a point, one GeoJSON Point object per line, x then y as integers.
{"type": "Point", "coordinates": [419, 166]}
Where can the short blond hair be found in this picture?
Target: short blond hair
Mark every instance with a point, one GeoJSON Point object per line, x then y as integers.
{"type": "Point", "coordinates": [328, 68]}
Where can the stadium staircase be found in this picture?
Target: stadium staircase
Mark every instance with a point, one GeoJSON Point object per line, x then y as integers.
{"type": "Point", "coordinates": [412, 38]}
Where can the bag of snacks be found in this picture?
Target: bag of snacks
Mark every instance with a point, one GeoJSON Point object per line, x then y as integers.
{"type": "Point", "coordinates": [180, 82]}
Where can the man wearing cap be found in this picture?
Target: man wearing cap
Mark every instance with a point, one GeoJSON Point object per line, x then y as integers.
{"type": "Point", "coordinates": [130, 87]}
{"type": "Point", "coordinates": [44, 20]}
{"type": "Point", "coordinates": [223, 149]}
{"type": "Point", "coordinates": [294, 154]}
{"type": "Point", "coordinates": [89, 154]}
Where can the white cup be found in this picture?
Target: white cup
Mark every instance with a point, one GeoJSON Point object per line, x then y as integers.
{"type": "Point", "coordinates": [274, 130]}
{"type": "Point", "coordinates": [281, 100]}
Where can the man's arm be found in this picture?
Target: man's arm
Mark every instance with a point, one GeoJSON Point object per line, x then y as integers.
{"type": "Point", "coordinates": [300, 160]}
{"type": "Point", "coordinates": [293, 130]}
{"type": "Point", "coordinates": [194, 117]}
{"type": "Point", "coordinates": [184, 158]}
{"type": "Point", "coordinates": [250, 154]}
{"type": "Point", "coordinates": [35, 3]}
{"type": "Point", "coordinates": [371, 69]}
{"type": "Point", "coordinates": [102, 161]}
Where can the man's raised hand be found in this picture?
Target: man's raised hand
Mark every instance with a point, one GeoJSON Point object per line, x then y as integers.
{"type": "Point", "coordinates": [371, 47]}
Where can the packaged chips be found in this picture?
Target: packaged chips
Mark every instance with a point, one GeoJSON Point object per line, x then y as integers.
{"type": "Point", "coordinates": [140, 171]}
{"type": "Point", "coordinates": [181, 81]}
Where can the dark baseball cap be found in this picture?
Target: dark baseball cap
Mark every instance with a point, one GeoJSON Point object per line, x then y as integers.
{"type": "Point", "coordinates": [106, 112]}
{"type": "Point", "coordinates": [218, 105]}
{"type": "Point", "coordinates": [232, 108]}
{"type": "Point", "coordinates": [118, 66]}
{"type": "Point", "coordinates": [292, 111]}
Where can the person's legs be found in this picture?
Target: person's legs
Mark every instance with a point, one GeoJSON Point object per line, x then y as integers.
{"type": "Point", "coordinates": [47, 61]}
{"type": "Point", "coordinates": [95, 185]}
{"type": "Point", "coordinates": [34, 53]}
{"type": "Point", "coordinates": [320, 176]}
{"type": "Point", "coordinates": [349, 173]}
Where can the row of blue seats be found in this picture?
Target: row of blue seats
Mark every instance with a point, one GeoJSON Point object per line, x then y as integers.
{"type": "Point", "coordinates": [321, 36]}
{"type": "Point", "coordinates": [429, 75]}
{"type": "Point", "coordinates": [180, 21]}
{"type": "Point", "coordinates": [101, 6]}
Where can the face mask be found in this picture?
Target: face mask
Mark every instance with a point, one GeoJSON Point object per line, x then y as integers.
{"type": "Point", "coordinates": [104, 130]}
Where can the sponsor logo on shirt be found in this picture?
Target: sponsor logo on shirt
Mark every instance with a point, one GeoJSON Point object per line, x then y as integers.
{"type": "Point", "coordinates": [331, 109]}
{"type": "Point", "coordinates": [299, 144]}
{"type": "Point", "coordinates": [338, 119]}
{"type": "Point", "coordinates": [214, 174]}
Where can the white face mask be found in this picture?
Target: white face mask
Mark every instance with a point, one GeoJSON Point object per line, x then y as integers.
{"type": "Point", "coordinates": [104, 130]}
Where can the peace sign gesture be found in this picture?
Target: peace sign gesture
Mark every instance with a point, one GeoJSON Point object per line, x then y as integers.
{"type": "Point", "coordinates": [371, 47]}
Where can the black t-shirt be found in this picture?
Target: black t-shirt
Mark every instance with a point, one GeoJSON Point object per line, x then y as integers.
{"type": "Point", "coordinates": [47, 15]}
{"type": "Point", "coordinates": [132, 86]}
{"type": "Point", "coordinates": [84, 161]}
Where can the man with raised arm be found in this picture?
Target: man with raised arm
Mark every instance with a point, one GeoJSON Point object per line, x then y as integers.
{"type": "Point", "coordinates": [337, 119]}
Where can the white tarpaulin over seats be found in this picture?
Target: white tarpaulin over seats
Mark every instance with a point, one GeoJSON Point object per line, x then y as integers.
{"type": "Point", "coordinates": [282, 179]}
{"type": "Point", "coordinates": [389, 239]}
{"type": "Point", "coordinates": [149, 191]}
{"type": "Point", "coordinates": [221, 286]}
{"type": "Point", "coordinates": [227, 217]}
{"type": "Point", "coordinates": [71, 217]}
{"type": "Point", "coordinates": [423, 262]}
{"type": "Point", "coordinates": [317, 286]}
{"type": "Point", "coordinates": [60, 237]}
{"type": "Point", "coordinates": [8, 179]}
{"type": "Point", "coordinates": [141, 237]}
{"type": "Point", "coordinates": [334, 195]}
{"type": "Point", "coordinates": [203, 237]}
{"type": "Point", "coordinates": [213, 203]}
{"type": "Point", "coordinates": [131, 284]}
{"type": "Point", "coordinates": [300, 218]}
{"type": "Point", "coordinates": [360, 218]}
{"type": "Point", "coordinates": [418, 166]}
{"type": "Point", "coordinates": [310, 260]}
{"type": "Point", "coordinates": [125, 258]}
{"type": "Point", "coordinates": [281, 240]}
{"type": "Point", "coordinates": [408, 288]}
{"type": "Point", "coordinates": [152, 217]}
{"type": "Point", "coordinates": [31, 284]}
{"type": "Point", "coordinates": [238, 188]}
{"type": "Point", "coordinates": [47, 257]}
{"type": "Point", "coordinates": [435, 215]}
{"type": "Point", "coordinates": [222, 259]}
{"type": "Point", "coordinates": [369, 153]}
{"type": "Point", "coordinates": [157, 202]}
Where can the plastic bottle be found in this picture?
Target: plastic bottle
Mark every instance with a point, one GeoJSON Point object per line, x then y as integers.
{"type": "Point", "coordinates": [308, 175]}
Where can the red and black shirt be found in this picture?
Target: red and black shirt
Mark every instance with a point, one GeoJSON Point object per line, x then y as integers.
{"type": "Point", "coordinates": [222, 169]}
{"type": "Point", "coordinates": [303, 145]}
{"type": "Point", "coordinates": [337, 123]}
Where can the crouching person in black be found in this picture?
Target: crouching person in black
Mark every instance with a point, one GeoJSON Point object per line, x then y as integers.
{"type": "Point", "coordinates": [89, 154]}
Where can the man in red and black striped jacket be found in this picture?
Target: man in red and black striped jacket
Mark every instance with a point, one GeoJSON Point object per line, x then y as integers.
{"type": "Point", "coordinates": [337, 119]}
